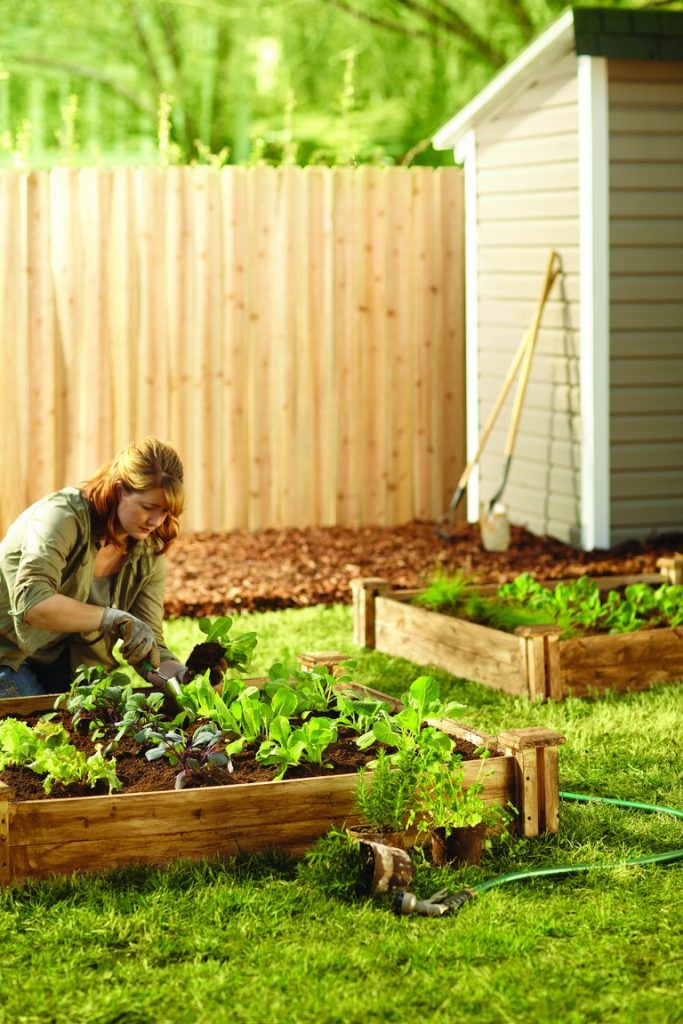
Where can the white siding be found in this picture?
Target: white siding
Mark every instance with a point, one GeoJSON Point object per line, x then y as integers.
{"type": "Point", "coordinates": [646, 261]}
{"type": "Point", "coordinates": [527, 204]}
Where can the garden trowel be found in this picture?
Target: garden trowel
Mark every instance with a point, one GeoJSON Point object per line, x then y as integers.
{"type": "Point", "coordinates": [170, 684]}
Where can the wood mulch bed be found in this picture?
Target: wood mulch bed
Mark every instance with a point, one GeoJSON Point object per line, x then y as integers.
{"type": "Point", "coordinates": [219, 573]}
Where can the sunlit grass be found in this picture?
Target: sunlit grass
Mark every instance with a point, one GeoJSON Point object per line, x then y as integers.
{"type": "Point", "coordinates": [249, 942]}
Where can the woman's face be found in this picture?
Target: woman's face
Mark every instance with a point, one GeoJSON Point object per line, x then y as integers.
{"type": "Point", "coordinates": [141, 512]}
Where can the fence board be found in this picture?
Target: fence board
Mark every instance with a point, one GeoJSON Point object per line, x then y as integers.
{"type": "Point", "coordinates": [295, 333]}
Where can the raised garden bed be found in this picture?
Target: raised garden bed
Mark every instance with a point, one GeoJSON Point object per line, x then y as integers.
{"type": "Point", "coordinates": [535, 661]}
{"type": "Point", "coordinates": [44, 837]}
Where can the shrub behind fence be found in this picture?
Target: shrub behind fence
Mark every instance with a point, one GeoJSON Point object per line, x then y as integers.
{"type": "Point", "coordinates": [297, 335]}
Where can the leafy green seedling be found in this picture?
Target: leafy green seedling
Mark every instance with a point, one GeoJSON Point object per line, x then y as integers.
{"type": "Point", "coordinates": [193, 753]}
{"type": "Point", "coordinates": [237, 652]}
{"type": "Point", "coordinates": [283, 748]}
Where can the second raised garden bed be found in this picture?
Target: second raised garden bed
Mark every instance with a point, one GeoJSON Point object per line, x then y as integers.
{"type": "Point", "coordinates": [40, 838]}
{"type": "Point", "coordinates": [535, 661]}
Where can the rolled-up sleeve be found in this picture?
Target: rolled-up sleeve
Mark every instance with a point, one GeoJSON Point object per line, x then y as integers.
{"type": "Point", "coordinates": [51, 533]}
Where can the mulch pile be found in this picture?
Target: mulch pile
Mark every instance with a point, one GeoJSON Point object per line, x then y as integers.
{"type": "Point", "coordinates": [218, 573]}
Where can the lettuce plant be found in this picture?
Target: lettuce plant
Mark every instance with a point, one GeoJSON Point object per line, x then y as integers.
{"type": "Point", "coordinates": [45, 750]}
{"type": "Point", "coordinates": [283, 748]}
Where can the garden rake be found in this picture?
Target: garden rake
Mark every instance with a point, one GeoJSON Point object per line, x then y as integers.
{"type": "Point", "coordinates": [522, 357]}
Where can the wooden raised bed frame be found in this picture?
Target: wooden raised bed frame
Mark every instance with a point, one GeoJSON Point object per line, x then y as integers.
{"type": "Point", "coordinates": [534, 662]}
{"type": "Point", "coordinates": [40, 838]}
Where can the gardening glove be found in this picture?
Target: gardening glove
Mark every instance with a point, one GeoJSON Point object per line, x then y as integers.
{"type": "Point", "coordinates": [138, 639]}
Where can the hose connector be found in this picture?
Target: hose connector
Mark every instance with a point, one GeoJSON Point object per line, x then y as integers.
{"type": "Point", "coordinates": [436, 906]}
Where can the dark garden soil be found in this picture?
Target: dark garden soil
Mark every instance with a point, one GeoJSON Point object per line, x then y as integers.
{"type": "Point", "coordinates": [139, 775]}
{"type": "Point", "coordinates": [218, 573]}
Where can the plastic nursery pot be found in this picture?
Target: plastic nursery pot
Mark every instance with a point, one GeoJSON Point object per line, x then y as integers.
{"type": "Point", "coordinates": [399, 840]}
{"type": "Point", "coordinates": [461, 846]}
{"type": "Point", "coordinates": [387, 867]}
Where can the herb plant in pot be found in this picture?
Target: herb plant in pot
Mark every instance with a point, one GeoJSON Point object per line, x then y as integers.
{"type": "Point", "coordinates": [456, 819]}
{"type": "Point", "coordinates": [385, 799]}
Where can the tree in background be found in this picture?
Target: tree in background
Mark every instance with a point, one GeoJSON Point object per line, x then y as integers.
{"type": "Point", "coordinates": [306, 81]}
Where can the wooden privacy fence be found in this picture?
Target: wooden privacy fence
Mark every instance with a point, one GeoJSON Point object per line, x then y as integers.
{"type": "Point", "coordinates": [296, 334]}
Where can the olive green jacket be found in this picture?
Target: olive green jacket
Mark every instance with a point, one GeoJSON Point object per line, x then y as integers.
{"type": "Point", "coordinates": [50, 549]}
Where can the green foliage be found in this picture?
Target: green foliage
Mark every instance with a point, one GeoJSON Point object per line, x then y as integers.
{"type": "Point", "coordinates": [238, 650]}
{"type": "Point", "coordinates": [336, 866]}
{"type": "Point", "coordinates": [168, 81]}
{"type": "Point", "coordinates": [386, 797]}
{"type": "Point", "coordinates": [442, 801]}
{"type": "Point", "coordinates": [110, 704]}
{"type": "Point", "coordinates": [575, 606]}
{"type": "Point", "coordinates": [191, 754]}
{"type": "Point", "coordinates": [445, 591]}
{"type": "Point", "coordinates": [132, 943]}
{"type": "Point", "coordinates": [65, 764]}
{"type": "Point", "coordinates": [284, 747]}
{"type": "Point", "coordinates": [18, 743]}
{"type": "Point", "coordinates": [44, 749]}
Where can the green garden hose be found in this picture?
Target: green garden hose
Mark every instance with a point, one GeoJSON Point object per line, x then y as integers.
{"type": "Point", "coordinates": [402, 905]}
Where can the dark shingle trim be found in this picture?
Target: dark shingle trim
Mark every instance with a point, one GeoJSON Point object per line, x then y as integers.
{"type": "Point", "coordinates": [628, 35]}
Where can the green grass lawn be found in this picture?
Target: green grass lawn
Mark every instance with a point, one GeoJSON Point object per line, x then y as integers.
{"type": "Point", "coordinates": [256, 941]}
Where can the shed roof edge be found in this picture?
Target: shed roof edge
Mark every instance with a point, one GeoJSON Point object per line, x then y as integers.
{"type": "Point", "coordinates": [557, 40]}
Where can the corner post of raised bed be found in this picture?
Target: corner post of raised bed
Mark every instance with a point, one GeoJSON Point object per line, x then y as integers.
{"type": "Point", "coordinates": [5, 867]}
{"type": "Point", "coordinates": [540, 650]}
{"type": "Point", "coordinates": [538, 785]}
{"type": "Point", "coordinates": [671, 568]}
{"type": "Point", "coordinates": [365, 590]}
{"type": "Point", "coordinates": [330, 660]}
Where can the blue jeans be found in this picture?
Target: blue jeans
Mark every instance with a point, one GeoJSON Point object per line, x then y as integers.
{"type": "Point", "coordinates": [32, 679]}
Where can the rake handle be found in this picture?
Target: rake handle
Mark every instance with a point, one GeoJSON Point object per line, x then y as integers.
{"type": "Point", "coordinates": [551, 273]}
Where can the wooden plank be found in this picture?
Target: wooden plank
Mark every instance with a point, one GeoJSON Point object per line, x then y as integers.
{"type": "Point", "coordinates": [668, 484]}
{"type": "Point", "coordinates": [638, 258]}
{"type": "Point", "coordinates": [314, 265]}
{"type": "Point", "coordinates": [655, 121]}
{"type": "Point", "coordinates": [372, 408]}
{"type": "Point", "coordinates": [451, 380]}
{"type": "Point", "coordinates": [461, 648]}
{"type": "Point", "coordinates": [549, 771]}
{"type": "Point", "coordinates": [40, 338]}
{"type": "Point", "coordinates": [122, 270]}
{"type": "Point", "coordinates": [426, 440]}
{"type": "Point", "coordinates": [5, 855]}
{"type": "Point", "coordinates": [256, 806]}
{"type": "Point", "coordinates": [529, 791]}
{"type": "Point", "coordinates": [399, 314]}
{"type": "Point", "coordinates": [654, 232]}
{"type": "Point", "coordinates": [644, 71]}
{"type": "Point", "coordinates": [236, 395]}
{"type": "Point", "coordinates": [554, 673]}
{"type": "Point", "coordinates": [291, 810]}
{"type": "Point", "coordinates": [27, 705]}
{"type": "Point", "coordinates": [345, 300]}
{"type": "Point", "coordinates": [649, 399]}
{"type": "Point", "coordinates": [630, 661]}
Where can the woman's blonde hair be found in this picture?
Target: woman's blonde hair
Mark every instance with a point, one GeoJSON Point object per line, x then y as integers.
{"type": "Point", "coordinates": [141, 466]}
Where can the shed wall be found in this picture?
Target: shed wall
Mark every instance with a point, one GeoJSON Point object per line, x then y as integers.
{"type": "Point", "coordinates": [527, 204]}
{"type": "Point", "coordinates": [646, 271]}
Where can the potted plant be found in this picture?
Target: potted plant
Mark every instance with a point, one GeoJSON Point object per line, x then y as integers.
{"type": "Point", "coordinates": [454, 819]}
{"type": "Point", "coordinates": [385, 798]}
